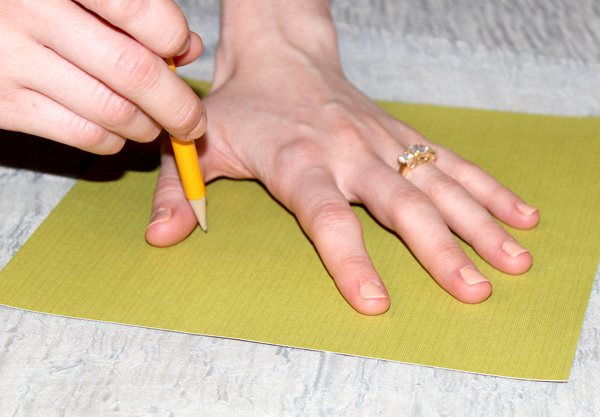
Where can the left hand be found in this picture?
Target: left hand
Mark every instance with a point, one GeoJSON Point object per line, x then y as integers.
{"type": "Point", "coordinates": [318, 144]}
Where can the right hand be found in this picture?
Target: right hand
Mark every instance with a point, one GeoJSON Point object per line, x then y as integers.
{"type": "Point", "coordinates": [91, 73]}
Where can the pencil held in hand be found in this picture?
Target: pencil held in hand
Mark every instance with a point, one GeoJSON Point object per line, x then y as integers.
{"type": "Point", "coordinates": [188, 166]}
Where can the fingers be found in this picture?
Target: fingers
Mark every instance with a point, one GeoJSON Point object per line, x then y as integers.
{"type": "Point", "coordinates": [23, 108]}
{"type": "Point", "coordinates": [470, 220]}
{"type": "Point", "coordinates": [401, 206]}
{"type": "Point", "coordinates": [329, 221]}
{"type": "Point", "coordinates": [139, 18]}
{"type": "Point", "coordinates": [33, 113]}
{"type": "Point", "coordinates": [498, 199]}
{"type": "Point", "coordinates": [172, 218]}
{"type": "Point", "coordinates": [485, 189]}
{"type": "Point", "coordinates": [125, 66]}
{"type": "Point", "coordinates": [192, 53]}
{"type": "Point", "coordinates": [64, 83]}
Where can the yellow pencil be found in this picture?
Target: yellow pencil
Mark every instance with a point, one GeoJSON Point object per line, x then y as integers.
{"type": "Point", "coordinates": [186, 157]}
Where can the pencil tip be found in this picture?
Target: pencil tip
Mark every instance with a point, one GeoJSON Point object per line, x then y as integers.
{"type": "Point", "coordinates": [199, 207]}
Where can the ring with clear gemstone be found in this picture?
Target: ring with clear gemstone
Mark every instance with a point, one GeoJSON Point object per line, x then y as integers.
{"type": "Point", "coordinates": [415, 155]}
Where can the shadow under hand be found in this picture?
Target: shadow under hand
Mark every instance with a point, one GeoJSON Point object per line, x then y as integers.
{"type": "Point", "coordinates": [140, 157]}
{"type": "Point", "coordinates": [23, 151]}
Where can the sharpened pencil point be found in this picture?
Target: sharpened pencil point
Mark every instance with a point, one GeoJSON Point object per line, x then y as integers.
{"type": "Point", "coordinates": [199, 207]}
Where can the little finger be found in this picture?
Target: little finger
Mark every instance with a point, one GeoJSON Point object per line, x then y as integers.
{"type": "Point", "coordinates": [503, 203]}
{"type": "Point", "coordinates": [471, 221]}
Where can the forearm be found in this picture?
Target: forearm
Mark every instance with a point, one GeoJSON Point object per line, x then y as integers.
{"type": "Point", "coordinates": [254, 30]}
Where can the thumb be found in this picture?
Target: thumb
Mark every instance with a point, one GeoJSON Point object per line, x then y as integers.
{"type": "Point", "coordinates": [172, 217]}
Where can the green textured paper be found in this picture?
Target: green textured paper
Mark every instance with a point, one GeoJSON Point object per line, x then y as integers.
{"type": "Point", "coordinates": [255, 275]}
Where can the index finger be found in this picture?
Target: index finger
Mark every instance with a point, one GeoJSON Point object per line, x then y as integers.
{"type": "Point", "coordinates": [159, 25]}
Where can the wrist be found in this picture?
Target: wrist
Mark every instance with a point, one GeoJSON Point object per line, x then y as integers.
{"type": "Point", "coordinates": [257, 33]}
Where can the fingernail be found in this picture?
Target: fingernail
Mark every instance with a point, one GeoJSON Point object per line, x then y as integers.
{"type": "Point", "coordinates": [199, 130]}
{"type": "Point", "coordinates": [513, 249]}
{"type": "Point", "coordinates": [160, 216]}
{"type": "Point", "coordinates": [186, 47]}
{"type": "Point", "coordinates": [369, 290]}
{"type": "Point", "coordinates": [526, 208]}
{"type": "Point", "coordinates": [472, 276]}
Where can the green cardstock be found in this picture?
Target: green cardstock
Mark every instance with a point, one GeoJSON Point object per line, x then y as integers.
{"type": "Point", "coordinates": [255, 275]}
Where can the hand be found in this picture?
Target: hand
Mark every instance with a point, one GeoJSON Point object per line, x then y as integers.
{"type": "Point", "coordinates": [91, 73]}
{"type": "Point", "coordinates": [290, 119]}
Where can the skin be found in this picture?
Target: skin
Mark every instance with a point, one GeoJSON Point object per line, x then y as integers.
{"type": "Point", "coordinates": [90, 73]}
{"type": "Point", "coordinates": [281, 111]}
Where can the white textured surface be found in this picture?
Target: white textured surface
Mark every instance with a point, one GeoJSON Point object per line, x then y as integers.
{"type": "Point", "coordinates": [525, 55]}
{"type": "Point", "coordinates": [530, 56]}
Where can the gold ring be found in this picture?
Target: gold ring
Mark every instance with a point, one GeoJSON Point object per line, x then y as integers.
{"type": "Point", "coordinates": [415, 155]}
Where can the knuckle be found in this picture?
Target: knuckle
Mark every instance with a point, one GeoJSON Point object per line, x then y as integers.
{"type": "Point", "coordinates": [496, 191]}
{"type": "Point", "coordinates": [151, 134]}
{"type": "Point", "coordinates": [444, 253]}
{"type": "Point", "coordinates": [353, 263]}
{"type": "Point", "coordinates": [484, 231]}
{"type": "Point", "coordinates": [87, 133]}
{"type": "Point", "coordinates": [188, 116]}
{"type": "Point", "coordinates": [331, 213]}
{"type": "Point", "coordinates": [174, 40]}
{"type": "Point", "coordinates": [465, 171]}
{"type": "Point", "coordinates": [409, 198]}
{"type": "Point", "coordinates": [443, 185]}
{"type": "Point", "coordinates": [114, 109]}
{"type": "Point", "coordinates": [92, 137]}
{"type": "Point", "coordinates": [350, 135]}
{"type": "Point", "coordinates": [298, 154]}
{"type": "Point", "coordinates": [120, 11]}
{"type": "Point", "coordinates": [291, 163]}
{"type": "Point", "coordinates": [135, 68]}
{"type": "Point", "coordinates": [114, 147]}
{"type": "Point", "coordinates": [145, 134]}
{"type": "Point", "coordinates": [168, 186]}
{"type": "Point", "coordinates": [347, 132]}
